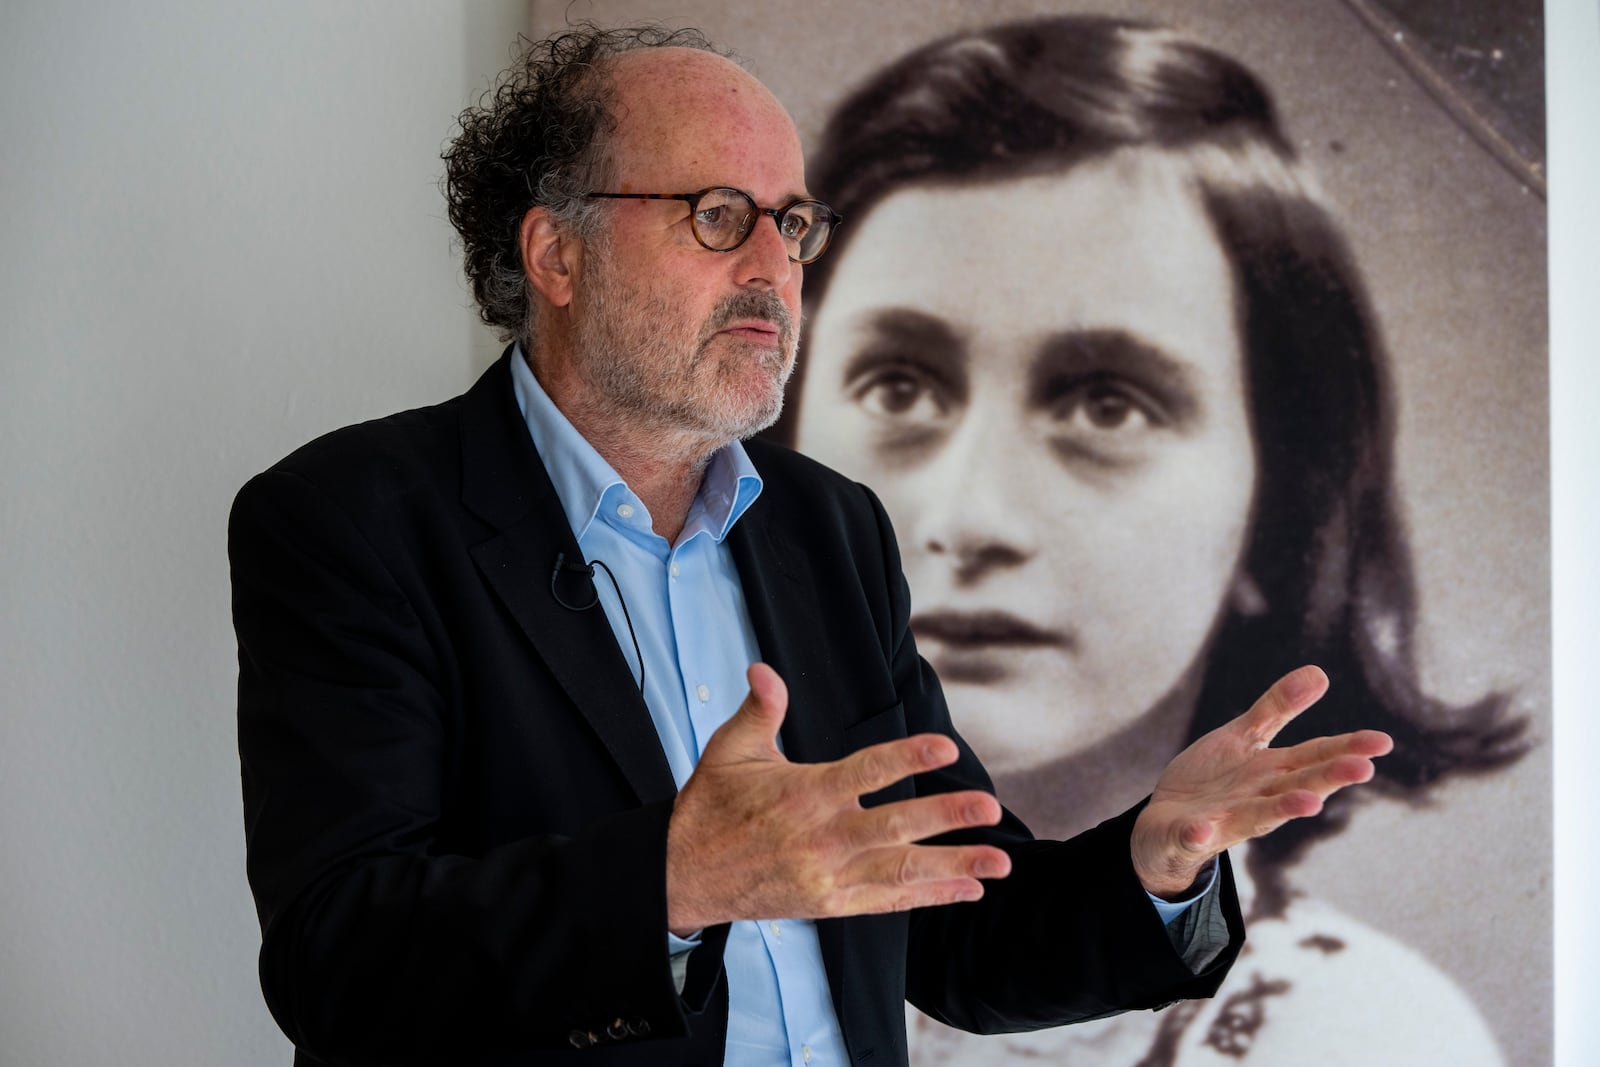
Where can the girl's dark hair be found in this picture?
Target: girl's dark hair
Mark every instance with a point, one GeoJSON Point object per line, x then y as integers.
{"type": "Point", "coordinates": [1328, 550]}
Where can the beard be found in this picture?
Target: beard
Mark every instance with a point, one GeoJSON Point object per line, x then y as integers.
{"type": "Point", "coordinates": [646, 364]}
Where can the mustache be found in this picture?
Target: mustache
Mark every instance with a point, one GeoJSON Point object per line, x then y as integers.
{"type": "Point", "coordinates": [752, 304]}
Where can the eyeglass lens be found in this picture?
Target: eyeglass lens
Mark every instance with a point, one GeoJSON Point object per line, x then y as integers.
{"type": "Point", "coordinates": [723, 218]}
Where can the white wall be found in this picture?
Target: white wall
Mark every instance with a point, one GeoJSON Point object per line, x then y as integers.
{"type": "Point", "coordinates": [220, 235]}
{"type": "Point", "coordinates": [1572, 43]}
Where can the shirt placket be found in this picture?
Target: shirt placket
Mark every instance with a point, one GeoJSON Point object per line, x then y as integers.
{"type": "Point", "coordinates": [791, 944]}
{"type": "Point", "coordinates": [709, 697]}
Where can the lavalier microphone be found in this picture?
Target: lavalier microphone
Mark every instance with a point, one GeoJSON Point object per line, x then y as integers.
{"type": "Point", "coordinates": [587, 571]}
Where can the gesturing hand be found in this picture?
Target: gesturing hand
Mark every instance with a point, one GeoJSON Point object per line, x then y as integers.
{"type": "Point", "coordinates": [755, 836]}
{"type": "Point", "coordinates": [1229, 787]}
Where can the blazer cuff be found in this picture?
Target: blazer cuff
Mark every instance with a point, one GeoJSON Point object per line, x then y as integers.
{"type": "Point", "coordinates": [1200, 932]}
{"type": "Point", "coordinates": [703, 970]}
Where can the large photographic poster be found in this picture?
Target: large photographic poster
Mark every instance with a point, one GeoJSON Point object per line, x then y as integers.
{"type": "Point", "coordinates": [1155, 408]}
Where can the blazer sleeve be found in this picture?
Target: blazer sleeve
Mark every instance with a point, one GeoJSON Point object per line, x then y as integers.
{"type": "Point", "coordinates": [378, 944]}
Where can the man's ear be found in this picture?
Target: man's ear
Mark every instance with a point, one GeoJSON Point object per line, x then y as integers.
{"type": "Point", "coordinates": [549, 257]}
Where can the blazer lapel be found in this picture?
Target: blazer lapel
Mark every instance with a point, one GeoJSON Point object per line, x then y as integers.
{"type": "Point", "coordinates": [505, 483]}
{"type": "Point", "coordinates": [780, 592]}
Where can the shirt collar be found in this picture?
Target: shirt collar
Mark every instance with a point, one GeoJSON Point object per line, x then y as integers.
{"type": "Point", "coordinates": [582, 476]}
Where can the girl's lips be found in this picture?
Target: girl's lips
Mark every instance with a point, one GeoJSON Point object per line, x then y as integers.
{"type": "Point", "coordinates": [979, 629]}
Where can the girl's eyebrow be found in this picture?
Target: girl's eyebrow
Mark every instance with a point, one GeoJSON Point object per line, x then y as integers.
{"type": "Point", "coordinates": [1077, 353]}
{"type": "Point", "coordinates": [915, 325]}
{"type": "Point", "coordinates": [925, 338]}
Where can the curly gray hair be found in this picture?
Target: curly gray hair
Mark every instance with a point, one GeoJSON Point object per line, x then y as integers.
{"type": "Point", "coordinates": [538, 139]}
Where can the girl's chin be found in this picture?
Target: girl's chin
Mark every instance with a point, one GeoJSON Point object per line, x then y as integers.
{"type": "Point", "coordinates": [1040, 727]}
{"type": "Point", "coordinates": [1003, 668]}
{"type": "Point", "coordinates": [1018, 754]}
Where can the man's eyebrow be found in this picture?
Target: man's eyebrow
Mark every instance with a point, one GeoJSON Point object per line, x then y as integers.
{"type": "Point", "coordinates": [784, 200]}
{"type": "Point", "coordinates": [1079, 353]}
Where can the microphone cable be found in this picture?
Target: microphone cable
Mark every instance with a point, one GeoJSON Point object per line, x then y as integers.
{"type": "Point", "coordinates": [587, 570]}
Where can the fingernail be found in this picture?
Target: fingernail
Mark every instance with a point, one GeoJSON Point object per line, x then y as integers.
{"type": "Point", "coordinates": [1303, 682]}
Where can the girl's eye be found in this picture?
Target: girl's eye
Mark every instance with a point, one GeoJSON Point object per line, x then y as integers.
{"type": "Point", "coordinates": [1107, 409]}
{"type": "Point", "coordinates": [1105, 421]}
{"type": "Point", "coordinates": [1106, 406]}
{"type": "Point", "coordinates": [900, 392]}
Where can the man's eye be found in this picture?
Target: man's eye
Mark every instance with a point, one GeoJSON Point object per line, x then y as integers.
{"type": "Point", "coordinates": [712, 216]}
{"type": "Point", "coordinates": [795, 226]}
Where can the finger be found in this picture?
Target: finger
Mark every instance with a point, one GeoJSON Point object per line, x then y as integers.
{"type": "Point", "coordinates": [766, 686]}
{"type": "Point", "coordinates": [1278, 706]}
{"type": "Point", "coordinates": [1326, 778]}
{"type": "Point", "coordinates": [906, 821]}
{"type": "Point", "coordinates": [752, 731]}
{"type": "Point", "coordinates": [908, 866]}
{"type": "Point", "coordinates": [877, 899]}
{"type": "Point", "coordinates": [879, 766]}
{"type": "Point", "coordinates": [1196, 837]}
{"type": "Point", "coordinates": [1257, 818]}
{"type": "Point", "coordinates": [1368, 744]}
{"type": "Point", "coordinates": [1167, 855]}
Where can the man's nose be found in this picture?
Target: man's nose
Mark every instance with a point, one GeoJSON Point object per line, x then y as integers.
{"type": "Point", "coordinates": [764, 257]}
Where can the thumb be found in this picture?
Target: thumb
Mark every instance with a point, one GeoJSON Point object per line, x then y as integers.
{"type": "Point", "coordinates": [752, 731]}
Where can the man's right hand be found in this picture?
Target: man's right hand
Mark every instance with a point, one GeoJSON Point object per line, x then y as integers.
{"type": "Point", "coordinates": [753, 836]}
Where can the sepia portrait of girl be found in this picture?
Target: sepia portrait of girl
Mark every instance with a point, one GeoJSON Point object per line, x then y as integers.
{"type": "Point", "coordinates": [1112, 367]}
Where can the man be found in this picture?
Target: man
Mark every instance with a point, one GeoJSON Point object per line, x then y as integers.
{"type": "Point", "coordinates": [503, 806]}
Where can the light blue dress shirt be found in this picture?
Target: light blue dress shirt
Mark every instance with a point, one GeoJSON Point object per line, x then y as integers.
{"type": "Point", "coordinates": [688, 614]}
{"type": "Point", "coordinates": [695, 637]}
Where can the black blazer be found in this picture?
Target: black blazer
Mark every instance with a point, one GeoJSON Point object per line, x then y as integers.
{"type": "Point", "coordinates": [456, 803]}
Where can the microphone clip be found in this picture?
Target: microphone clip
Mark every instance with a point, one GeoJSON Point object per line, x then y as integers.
{"type": "Point", "coordinates": [573, 568]}
{"type": "Point", "coordinates": [587, 570]}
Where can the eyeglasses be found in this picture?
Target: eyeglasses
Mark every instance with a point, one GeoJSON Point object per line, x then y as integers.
{"type": "Point", "coordinates": [723, 219]}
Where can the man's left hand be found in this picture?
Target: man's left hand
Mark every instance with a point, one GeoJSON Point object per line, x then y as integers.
{"type": "Point", "coordinates": [1229, 787]}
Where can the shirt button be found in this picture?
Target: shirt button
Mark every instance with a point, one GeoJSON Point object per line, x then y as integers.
{"type": "Point", "coordinates": [805, 1053]}
{"type": "Point", "coordinates": [703, 692]}
{"type": "Point", "coordinates": [776, 928]}
{"type": "Point", "coordinates": [674, 570]}
{"type": "Point", "coordinates": [625, 510]}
